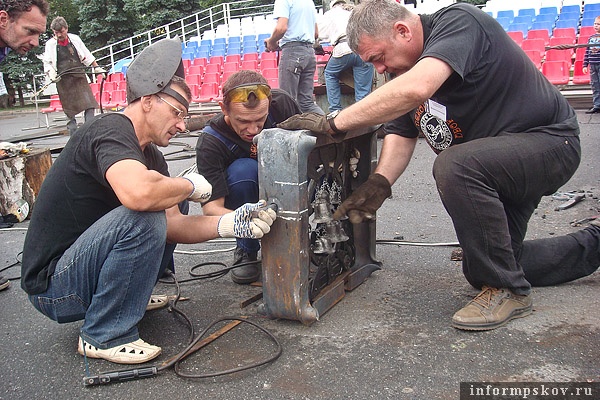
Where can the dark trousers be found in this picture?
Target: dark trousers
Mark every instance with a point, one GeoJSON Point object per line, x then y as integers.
{"type": "Point", "coordinates": [242, 180]}
{"type": "Point", "coordinates": [490, 188]}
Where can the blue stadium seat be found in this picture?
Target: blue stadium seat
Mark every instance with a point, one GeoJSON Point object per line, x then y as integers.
{"type": "Point", "coordinates": [504, 22]}
{"type": "Point", "coordinates": [567, 23]}
{"type": "Point", "coordinates": [571, 8]}
{"type": "Point", "coordinates": [523, 27]}
{"type": "Point", "coordinates": [546, 25]}
{"type": "Point", "coordinates": [588, 21]}
{"type": "Point", "coordinates": [546, 17]}
{"type": "Point", "coordinates": [505, 13]}
{"type": "Point", "coordinates": [548, 10]}
{"type": "Point", "coordinates": [526, 11]}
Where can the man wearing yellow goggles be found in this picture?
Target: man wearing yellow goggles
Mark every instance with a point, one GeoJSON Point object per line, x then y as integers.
{"type": "Point", "coordinates": [226, 156]}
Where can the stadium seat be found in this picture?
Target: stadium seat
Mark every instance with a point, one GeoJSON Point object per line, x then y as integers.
{"type": "Point", "coordinates": [579, 78]}
{"type": "Point", "coordinates": [567, 23]}
{"type": "Point", "coordinates": [534, 44]}
{"type": "Point", "coordinates": [587, 22]}
{"type": "Point", "coordinates": [559, 55]}
{"type": "Point", "coordinates": [250, 65]}
{"type": "Point", "coordinates": [535, 56]}
{"type": "Point", "coordinates": [548, 10]}
{"type": "Point", "coordinates": [213, 67]}
{"type": "Point", "coordinates": [557, 72]}
{"type": "Point", "coordinates": [539, 34]}
{"type": "Point", "coordinates": [212, 77]}
{"type": "Point", "coordinates": [504, 22]}
{"type": "Point", "coordinates": [250, 56]}
{"type": "Point", "coordinates": [268, 63]}
{"type": "Point", "coordinates": [195, 69]}
{"type": "Point", "coordinates": [564, 32]}
{"type": "Point", "coordinates": [545, 25]}
{"type": "Point", "coordinates": [579, 54]}
{"type": "Point", "coordinates": [526, 11]}
{"type": "Point", "coordinates": [270, 73]}
{"type": "Point", "coordinates": [523, 27]}
{"type": "Point", "coordinates": [505, 14]}
{"type": "Point", "coordinates": [118, 99]}
{"type": "Point", "coordinates": [516, 36]}
{"type": "Point", "coordinates": [231, 67]}
{"type": "Point", "coordinates": [237, 58]}
{"type": "Point", "coordinates": [586, 31]}
{"type": "Point", "coordinates": [193, 79]}
{"type": "Point", "coordinates": [208, 92]}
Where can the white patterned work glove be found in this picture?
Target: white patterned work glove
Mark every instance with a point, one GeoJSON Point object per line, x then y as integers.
{"type": "Point", "coordinates": [202, 189]}
{"type": "Point", "coordinates": [252, 220]}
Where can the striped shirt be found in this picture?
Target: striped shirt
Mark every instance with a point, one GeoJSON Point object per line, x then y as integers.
{"type": "Point", "coordinates": [592, 54]}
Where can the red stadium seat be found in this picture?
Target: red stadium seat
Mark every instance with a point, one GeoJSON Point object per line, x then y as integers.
{"type": "Point", "coordinates": [557, 72]}
{"type": "Point", "coordinates": [579, 78]}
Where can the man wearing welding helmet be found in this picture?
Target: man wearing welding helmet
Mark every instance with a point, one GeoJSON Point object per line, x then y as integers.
{"type": "Point", "coordinates": [107, 214]}
{"type": "Point", "coordinates": [226, 156]}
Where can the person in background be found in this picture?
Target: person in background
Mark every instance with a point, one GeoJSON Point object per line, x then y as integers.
{"type": "Point", "coordinates": [108, 212]}
{"type": "Point", "coordinates": [21, 24]}
{"type": "Point", "coordinates": [505, 137]}
{"type": "Point", "coordinates": [295, 33]}
{"type": "Point", "coordinates": [65, 62]}
{"type": "Point", "coordinates": [226, 155]}
{"type": "Point", "coordinates": [332, 28]}
{"type": "Point", "coordinates": [591, 63]}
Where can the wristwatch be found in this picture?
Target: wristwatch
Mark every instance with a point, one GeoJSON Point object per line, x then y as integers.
{"type": "Point", "coordinates": [330, 118]}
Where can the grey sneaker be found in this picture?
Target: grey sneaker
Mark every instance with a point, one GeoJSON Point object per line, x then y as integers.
{"type": "Point", "coordinates": [4, 283]}
{"type": "Point", "coordinates": [491, 309]}
{"type": "Point", "coordinates": [247, 273]}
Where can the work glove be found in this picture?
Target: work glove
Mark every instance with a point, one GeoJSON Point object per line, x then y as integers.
{"type": "Point", "coordinates": [362, 204]}
{"type": "Point", "coordinates": [53, 75]}
{"type": "Point", "coordinates": [312, 121]}
{"type": "Point", "coordinates": [202, 189]}
{"type": "Point", "coordinates": [319, 51]}
{"type": "Point", "coordinates": [252, 220]}
{"type": "Point", "coordinates": [99, 70]}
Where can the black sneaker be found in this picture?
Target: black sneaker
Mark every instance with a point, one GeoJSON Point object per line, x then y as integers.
{"type": "Point", "coordinates": [248, 273]}
{"type": "Point", "coordinates": [4, 283]}
{"type": "Point", "coordinates": [593, 110]}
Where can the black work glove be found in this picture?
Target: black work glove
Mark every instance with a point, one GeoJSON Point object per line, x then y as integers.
{"type": "Point", "coordinates": [312, 121]}
{"type": "Point", "coordinates": [362, 204]}
{"type": "Point", "coordinates": [319, 51]}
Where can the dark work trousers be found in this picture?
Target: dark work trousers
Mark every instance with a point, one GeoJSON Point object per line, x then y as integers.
{"type": "Point", "coordinates": [242, 180]}
{"type": "Point", "coordinates": [490, 188]}
{"type": "Point", "coordinates": [167, 262]}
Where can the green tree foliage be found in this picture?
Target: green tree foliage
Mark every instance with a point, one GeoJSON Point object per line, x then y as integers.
{"type": "Point", "coordinates": [105, 22]}
{"type": "Point", "coordinates": [20, 70]}
{"type": "Point", "coordinates": [154, 13]}
{"type": "Point", "coordinates": [67, 10]}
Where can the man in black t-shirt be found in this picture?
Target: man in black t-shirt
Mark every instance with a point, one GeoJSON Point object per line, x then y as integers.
{"type": "Point", "coordinates": [226, 156]}
{"type": "Point", "coordinates": [504, 134]}
{"type": "Point", "coordinates": [107, 212]}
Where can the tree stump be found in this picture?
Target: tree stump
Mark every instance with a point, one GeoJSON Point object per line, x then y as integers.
{"type": "Point", "coordinates": [21, 178]}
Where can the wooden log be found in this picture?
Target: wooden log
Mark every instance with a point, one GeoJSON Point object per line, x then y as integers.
{"type": "Point", "coordinates": [21, 177]}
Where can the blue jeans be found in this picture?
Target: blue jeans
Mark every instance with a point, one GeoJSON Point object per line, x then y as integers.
{"type": "Point", "coordinates": [297, 66]}
{"type": "Point", "coordinates": [363, 78]}
{"type": "Point", "coordinates": [107, 276]}
{"type": "Point", "coordinates": [595, 82]}
{"type": "Point", "coordinates": [242, 180]}
{"type": "Point", "coordinates": [490, 188]}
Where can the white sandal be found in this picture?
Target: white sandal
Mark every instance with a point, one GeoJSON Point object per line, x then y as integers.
{"type": "Point", "coordinates": [157, 301]}
{"type": "Point", "coordinates": [136, 352]}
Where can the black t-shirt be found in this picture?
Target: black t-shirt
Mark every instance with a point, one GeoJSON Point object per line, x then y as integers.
{"type": "Point", "coordinates": [494, 88]}
{"type": "Point", "coordinates": [75, 193]}
{"type": "Point", "coordinates": [213, 157]}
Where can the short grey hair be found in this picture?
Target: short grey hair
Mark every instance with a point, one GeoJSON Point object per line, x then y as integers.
{"type": "Point", "coordinates": [373, 18]}
{"type": "Point", "coordinates": [58, 23]}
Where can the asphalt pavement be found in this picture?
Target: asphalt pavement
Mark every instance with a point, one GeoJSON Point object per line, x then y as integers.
{"type": "Point", "coordinates": [390, 338]}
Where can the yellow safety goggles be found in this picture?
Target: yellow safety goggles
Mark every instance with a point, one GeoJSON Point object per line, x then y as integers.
{"type": "Point", "coordinates": [239, 94]}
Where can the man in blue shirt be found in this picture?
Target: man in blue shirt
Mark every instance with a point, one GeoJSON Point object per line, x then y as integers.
{"type": "Point", "coordinates": [295, 33]}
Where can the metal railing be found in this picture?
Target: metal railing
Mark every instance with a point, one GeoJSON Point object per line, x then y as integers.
{"type": "Point", "coordinates": [187, 28]}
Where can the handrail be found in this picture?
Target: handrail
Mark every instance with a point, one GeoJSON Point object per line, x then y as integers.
{"type": "Point", "coordinates": [187, 28]}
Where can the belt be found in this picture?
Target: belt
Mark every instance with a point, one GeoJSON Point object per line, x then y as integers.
{"type": "Point", "coordinates": [294, 44]}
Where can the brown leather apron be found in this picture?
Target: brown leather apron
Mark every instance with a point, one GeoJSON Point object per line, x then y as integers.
{"type": "Point", "coordinates": [73, 88]}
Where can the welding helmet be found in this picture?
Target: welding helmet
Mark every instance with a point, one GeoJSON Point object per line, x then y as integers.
{"type": "Point", "coordinates": [151, 71]}
{"type": "Point", "coordinates": [334, 2]}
